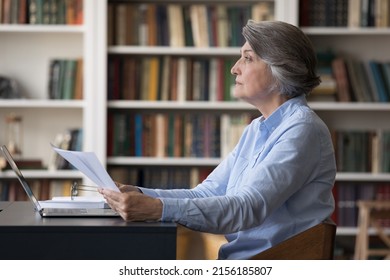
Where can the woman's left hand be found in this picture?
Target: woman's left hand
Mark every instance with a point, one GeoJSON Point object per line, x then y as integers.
{"type": "Point", "coordinates": [133, 206]}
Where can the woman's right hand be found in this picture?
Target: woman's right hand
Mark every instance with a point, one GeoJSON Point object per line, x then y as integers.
{"type": "Point", "coordinates": [127, 188]}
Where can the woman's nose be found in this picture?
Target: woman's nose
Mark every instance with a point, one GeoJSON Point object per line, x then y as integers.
{"type": "Point", "coordinates": [234, 69]}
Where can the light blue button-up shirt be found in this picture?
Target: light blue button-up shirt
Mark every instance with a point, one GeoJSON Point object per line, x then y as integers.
{"type": "Point", "coordinates": [276, 183]}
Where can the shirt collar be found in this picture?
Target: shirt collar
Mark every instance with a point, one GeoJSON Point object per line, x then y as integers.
{"type": "Point", "coordinates": [286, 109]}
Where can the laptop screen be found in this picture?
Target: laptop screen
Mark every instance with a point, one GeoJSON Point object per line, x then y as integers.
{"type": "Point", "coordinates": [21, 178]}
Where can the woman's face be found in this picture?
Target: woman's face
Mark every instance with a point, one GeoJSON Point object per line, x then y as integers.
{"type": "Point", "coordinates": [253, 77]}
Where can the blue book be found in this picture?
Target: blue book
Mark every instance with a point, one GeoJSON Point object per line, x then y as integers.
{"type": "Point", "coordinates": [379, 81]}
{"type": "Point", "coordinates": [138, 135]}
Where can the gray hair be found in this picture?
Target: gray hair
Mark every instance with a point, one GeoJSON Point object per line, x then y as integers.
{"type": "Point", "coordinates": [289, 54]}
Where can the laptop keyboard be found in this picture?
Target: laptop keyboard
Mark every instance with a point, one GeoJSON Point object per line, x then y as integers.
{"type": "Point", "coordinates": [66, 210]}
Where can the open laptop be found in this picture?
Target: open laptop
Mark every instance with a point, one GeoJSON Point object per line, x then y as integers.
{"type": "Point", "coordinates": [54, 212]}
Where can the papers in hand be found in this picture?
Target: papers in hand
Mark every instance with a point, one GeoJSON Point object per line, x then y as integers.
{"type": "Point", "coordinates": [77, 202]}
{"type": "Point", "coordinates": [90, 166]}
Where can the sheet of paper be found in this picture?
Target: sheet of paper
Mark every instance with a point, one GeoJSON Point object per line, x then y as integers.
{"type": "Point", "coordinates": [89, 165]}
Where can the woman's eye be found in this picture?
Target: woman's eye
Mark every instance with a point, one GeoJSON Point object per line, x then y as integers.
{"type": "Point", "coordinates": [247, 58]}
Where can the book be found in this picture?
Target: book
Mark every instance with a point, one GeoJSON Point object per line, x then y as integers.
{"type": "Point", "coordinates": [120, 24]}
{"type": "Point", "coordinates": [54, 79]}
{"type": "Point", "coordinates": [36, 11]}
{"type": "Point", "coordinates": [6, 11]}
{"type": "Point", "coordinates": [165, 76]}
{"type": "Point", "coordinates": [176, 25]}
{"type": "Point", "coordinates": [1, 11]}
{"type": "Point", "coordinates": [188, 35]}
{"type": "Point", "coordinates": [46, 13]}
{"type": "Point", "coordinates": [385, 151]}
{"type": "Point", "coordinates": [145, 78]}
{"type": "Point", "coordinates": [377, 74]}
{"type": "Point", "coordinates": [22, 12]}
{"type": "Point", "coordinates": [382, 13]}
{"type": "Point", "coordinates": [161, 132]}
{"type": "Point", "coordinates": [163, 34]}
{"type": "Point", "coordinates": [182, 82]}
{"type": "Point", "coordinates": [385, 66]}
{"type": "Point", "coordinates": [222, 26]}
{"type": "Point", "coordinates": [69, 79]}
{"type": "Point", "coordinates": [79, 78]}
{"type": "Point", "coordinates": [79, 12]}
{"type": "Point", "coordinates": [173, 77]}
{"type": "Point", "coordinates": [358, 80]}
{"type": "Point", "coordinates": [151, 22]}
{"type": "Point", "coordinates": [154, 66]}
{"type": "Point", "coordinates": [342, 81]}
{"type": "Point", "coordinates": [200, 26]}
{"type": "Point", "coordinates": [263, 11]}
{"type": "Point", "coordinates": [142, 25]}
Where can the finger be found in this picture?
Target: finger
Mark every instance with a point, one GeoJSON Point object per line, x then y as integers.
{"type": "Point", "coordinates": [111, 195]}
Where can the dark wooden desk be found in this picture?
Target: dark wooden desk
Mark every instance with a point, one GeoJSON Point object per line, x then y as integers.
{"type": "Point", "coordinates": [25, 235]}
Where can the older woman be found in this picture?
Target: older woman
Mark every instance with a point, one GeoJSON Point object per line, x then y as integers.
{"type": "Point", "coordinates": [278, 180]}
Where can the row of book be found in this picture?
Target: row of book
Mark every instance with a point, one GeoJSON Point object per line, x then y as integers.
{"type": "Point", "coordinates": [169, 78]}
{"type": "Point", "coordinates": [66, 79]}
{"type": "Point", "coordinates": [362, 151]}
{"type": "Point", "coordinates": [179, 25]}
{"type": "Point", "coordinates": [175, 78]}
{"type": "Point", "coordinates": [43, 189]}
{"type": "Point", "coordinates": [70, 139]}
{"type": "Point", "coordinates": [346, 196]}
{"type": "Point", "coordinates": [348, 79]}
{"type": "Point", "coordinates": [344, 13]}
{"type": "Point", "coordinates": [41, 11]}
{"type": "Point", "coordinates": [204, 135]}
{"type": "Point", "coordinates": [160, 177]}
{"type": "Point", "coordinates": [210, 135]}
{"type": "Point", "coordinates": [150, 177]}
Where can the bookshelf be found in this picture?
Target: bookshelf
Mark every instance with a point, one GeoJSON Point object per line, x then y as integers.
{"type": "Point", "coordinates": [366, 43]}
{"type": "Point", "coordinates": [114, 105]}
{"type": "Point", "coordinates": [26, 50]}
{"type": "Point", "coordinates": [188, 52]}
{"type": "Point", "coordinates": [361, 37]}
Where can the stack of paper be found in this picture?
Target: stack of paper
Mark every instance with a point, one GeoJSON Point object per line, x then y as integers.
{"type": "Point", "coordinates": [77, 202]}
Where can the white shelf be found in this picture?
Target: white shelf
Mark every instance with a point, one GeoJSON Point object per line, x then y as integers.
{"type": "Point", "coordinates": [239, 105]}
{"type": "Point", "coordinates": [350, 106]}
{"type": "Point", "coordinates": [41, 104]}
{"type": "Point", "coordinates": [345, 31]}
{"type": "Point", "coordinates": [43, 174]}
{"type": "Point", "coordinates": [40, 28]}
{"type": "Point", "coordinates": [187, 51]}
{"type": "Point", "coordinates": [152, 161]}
{"type": "Point", "coordinates": [149, 161]}
{"type": "Point", "coordinates": [26, 52]}
{"type": "Point", "coordinates": [178, 105]}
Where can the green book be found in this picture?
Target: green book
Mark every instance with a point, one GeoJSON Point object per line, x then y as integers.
{"type": "Point", "coordinates": [69, 79]}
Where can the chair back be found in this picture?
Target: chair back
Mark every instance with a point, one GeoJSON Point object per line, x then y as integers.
{"type": "Point", "coordinates": [315, 243]}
